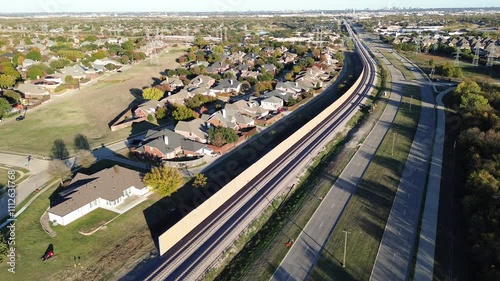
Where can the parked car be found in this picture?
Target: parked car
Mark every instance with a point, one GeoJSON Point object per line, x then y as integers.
{"type": "Point", "coordinates": [213, 154]}
{"type": "Point", "coordinates": [20, 118]}
{"type": "Point", "coordinates": [135, 142]}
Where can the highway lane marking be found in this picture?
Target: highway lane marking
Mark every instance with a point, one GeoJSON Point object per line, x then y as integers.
{"type": "Point", "coordinates": [404, 214]}
{"type": "Point", "coordinates": [393, 256]}
{"type": "Point", "coordinates": [307, 248]}
{"type": "Point", "coordinates": [400, 231]}
{"type": "Point", "coordinates": [321, 224]}
{"type": "Point", "coordinates": [409, 195]}
{"type": "Point", "coordinates": [332, 205]}
{"type": "Point", "coordinates": [290, 276]}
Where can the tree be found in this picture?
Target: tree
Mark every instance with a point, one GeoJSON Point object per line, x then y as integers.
{"type": "Point", "coordinates": [128, 46]}
{"type": "Point", "coordinates": [152, 94]}
{"type": "Point", "coordinates": [35, 73]}
{"type": "Point", "coordinates": [7, 81]}
{"type": "Point", "coordinates": [68, 79]}
{"type": "Point", "coordinates": [34, 55]}
{"type": "Point", "coordinates": [13, 96]}
{"type": "Point", "coordinates": [161, 113]}
{"type": "Point", "coordinates": [468, 87]}
{"type": "Point", "coordinates": [85, 158]}
{"type": "Point", "coordinates": [59, 169]}
{"type": "Point", "coordinates": [110, 66]}
{"type": "Point", "coordinates": [182, 113]}
{"type": "Point", "coordinates": [339, 56]}
{"type": "Point", "coordinates": [316, 53]}
{"type": "Point", "coordinates": [220, 136]}
{"type": "Point", "coordinates": [200, 180]}
{"type": "Point", "coordinates": [474, 103]}
{"type": "Point", "coordinates": [10, 70]}
{"type": "Point", "coordinates": [164, 180]}
{"type": "Point", "coordinates": [4, 106]}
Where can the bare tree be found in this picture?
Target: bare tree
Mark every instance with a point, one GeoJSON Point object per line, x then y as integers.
{"type": "Point", "coordinates": [85, 158]}
{"type": "Point", "coordinates": [59, 169]}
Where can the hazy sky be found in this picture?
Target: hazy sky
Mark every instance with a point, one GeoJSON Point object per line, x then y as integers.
{"type": "Point", "coordinates": [223, 5]}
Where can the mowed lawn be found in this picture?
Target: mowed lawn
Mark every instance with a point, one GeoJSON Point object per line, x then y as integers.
{"type": "Point", "coordinates": [101, 254]}
{"type": "Point", "coordinates": [86, 112]}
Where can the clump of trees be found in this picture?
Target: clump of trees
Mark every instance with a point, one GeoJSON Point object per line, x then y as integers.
{"type": "Point", "coordinates": [164, 180]}
{"type": "Point", "coordinates": [220, 136]}
{"type": "Point", "coordinates": [152, 94]}
{"type": "Point", "coordinates": [182, 113]}
{"type": "Point", "coordinates": [479, 140]}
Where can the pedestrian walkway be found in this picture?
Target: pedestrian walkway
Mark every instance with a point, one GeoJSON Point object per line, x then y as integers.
{"type": "Point", "coordinates": [424, 268]}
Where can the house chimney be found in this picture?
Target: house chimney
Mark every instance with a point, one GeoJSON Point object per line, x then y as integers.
{"type": "Point", "coordinates": [165, 139]}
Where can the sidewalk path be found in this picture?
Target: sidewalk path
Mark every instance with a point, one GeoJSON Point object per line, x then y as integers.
{"type": "Point", "coordinates": [424, 268]}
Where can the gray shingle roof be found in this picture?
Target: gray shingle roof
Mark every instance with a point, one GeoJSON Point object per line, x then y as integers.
{"type": "Point", "coordinates": [108, 184]}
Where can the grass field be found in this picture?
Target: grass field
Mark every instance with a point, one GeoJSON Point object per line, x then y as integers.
{"type": "Point", "coordinates": [366, 214]}
{"type": "Point", "coordinates": [477, 73]}
{"type": "Point", "coordinates": [97, 252]}
{"type": "Point", "coordinates": [86, 112]}
{"type": "Point", "coordinates": [399, 65]}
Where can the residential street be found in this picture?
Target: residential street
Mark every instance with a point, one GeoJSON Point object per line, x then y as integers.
{"type": "Point", "coordinates": [38, 177]}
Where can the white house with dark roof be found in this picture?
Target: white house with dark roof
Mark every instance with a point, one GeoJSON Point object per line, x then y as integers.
{"type": "Point", "coordinates": [106, 189]}
{"type": "Point", "coordinates": [272, 103]}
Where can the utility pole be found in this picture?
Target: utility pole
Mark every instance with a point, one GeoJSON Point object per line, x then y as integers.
{"type": "Point", "coordinates": [457, 57]}
{"type": "Point", "coordinates": [345, 246]}
{"type": "Point", "coordinates": [491, 55]}
{"type": "Point", "coordinates": [475, 60]}
{"type": "Point", "coordinates": [393, 142]}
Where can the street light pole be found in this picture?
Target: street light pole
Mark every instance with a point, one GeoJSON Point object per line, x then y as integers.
{"type": "Point", "coordinates": [345, 246]}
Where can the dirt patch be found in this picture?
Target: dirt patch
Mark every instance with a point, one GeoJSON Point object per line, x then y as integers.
{"type": "Point", "coordinates": [109, 266]}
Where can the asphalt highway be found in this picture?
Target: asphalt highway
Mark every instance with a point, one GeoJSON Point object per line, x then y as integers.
{"type": "Point", "coordinates": [394, 258]}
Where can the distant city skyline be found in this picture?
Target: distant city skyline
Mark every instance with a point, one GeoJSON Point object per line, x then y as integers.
{"type": "Point", "coordinates": [61, 6]}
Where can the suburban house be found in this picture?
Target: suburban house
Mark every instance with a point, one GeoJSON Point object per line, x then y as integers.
{"type": "Point", "coordinates": [286, 96]}
{"type": "Point", "coordinates": [27, 63]}
{"type": "Point", "coordinates": [193, 130]}
{"type": "Point", "coordinates": [248, 108]}
{"type": "Point", "coordinates": [227, 86]}
{"type": "Point", "coordinates": [75, 71]}
{"type": "Point", "coordinates": [177, 99]}
{"type": "Point", "coordinates": [272, 103]}
{"type": "Point", "coordinates": [217, 67]}
{"type": "Point", "coordinates": [230, 119]}
{"type": "Point", "coordinates": [201, 81]}
{"type": "Point", "coordinates": [172, 82]}
{"type": "Point", "coordinates": [166, 144]}
{"type": "Point", "coordinates": [106, 189]}
{"type": "Point", "coordinates": [32, 91]}
{"type": "Point", "coordinates": [289, 87]}
{"type": "Point", "coordinates": [269, 68]}
{"type": "Point", "coordinates": [147, 108]}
